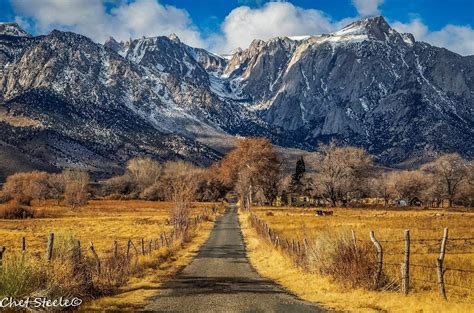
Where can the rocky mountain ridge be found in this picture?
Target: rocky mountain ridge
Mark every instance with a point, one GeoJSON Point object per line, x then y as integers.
{"type": "Point", "coordinates": [66, 101]}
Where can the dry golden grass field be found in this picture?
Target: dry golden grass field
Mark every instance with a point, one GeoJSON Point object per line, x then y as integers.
{"type": "Point", "coordinates": [126, 279]}
{"type": "Point", "coordinates": [389, 226]}
{"type": "Point", "coordinates": [100, 222]}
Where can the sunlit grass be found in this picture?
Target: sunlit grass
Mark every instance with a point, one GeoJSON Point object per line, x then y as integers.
{"type": "Point", "coordinates": [295, 223]}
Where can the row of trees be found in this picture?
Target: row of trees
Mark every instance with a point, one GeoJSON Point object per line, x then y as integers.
{"type": "Point", "coordinates": [340, 175]}
{"type": "Point", "coordinates": [70, 185]}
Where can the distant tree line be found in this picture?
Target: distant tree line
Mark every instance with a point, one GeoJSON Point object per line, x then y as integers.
{"type": "Point", "coordinates": [341, 175]}
{"type": "Point", "coordinates": [72, 186]}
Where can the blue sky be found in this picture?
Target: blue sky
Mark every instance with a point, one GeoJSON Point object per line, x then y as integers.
{"type": "Point", "coordinates": [222, 25]}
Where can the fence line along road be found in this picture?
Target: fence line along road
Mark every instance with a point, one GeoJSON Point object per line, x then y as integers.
{"type": "Point", "coordinates": [299, 255]}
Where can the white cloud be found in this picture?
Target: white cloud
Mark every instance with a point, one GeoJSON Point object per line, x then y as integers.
{"type": "Point", "coordinates": [457, 38]}
{"type": "Point", "coordinates": [244, 24]}
{"type": "Point", "coordinates": [367, 7]}
{"type": "Point", "coordinates": [136, 18]}
{"type": "Point", "coordinates": [125, 20]}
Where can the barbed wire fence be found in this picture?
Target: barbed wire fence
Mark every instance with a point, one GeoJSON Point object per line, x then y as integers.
{"type": "Point", "coordinates": [399, 261]}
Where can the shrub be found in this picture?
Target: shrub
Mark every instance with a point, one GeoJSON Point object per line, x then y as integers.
{"type": "Point", "coordinates": [119, 185]}
{"type": "Point", "coordinates": [153, 193]}
{"type": "Point", "coordinates": [13, 210]}
{"type": "Point", "coordinates": [4, 197]}
{"type": "Point", "coordinates": [25, 187]}
{"type": "Point", "coordinates": [337, 256]}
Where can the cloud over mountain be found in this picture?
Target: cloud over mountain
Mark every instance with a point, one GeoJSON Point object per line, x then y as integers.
{"type": "Point", "coordinates": [99, 19]}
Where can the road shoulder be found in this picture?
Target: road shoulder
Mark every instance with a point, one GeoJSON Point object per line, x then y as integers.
{"type": "Point", "coordinates": [136, 294]}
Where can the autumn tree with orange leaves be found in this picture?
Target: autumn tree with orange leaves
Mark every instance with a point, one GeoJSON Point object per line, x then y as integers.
{"type": "Point", "coordinates": [253, 165]}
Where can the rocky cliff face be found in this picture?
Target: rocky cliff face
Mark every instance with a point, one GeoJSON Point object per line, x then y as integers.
{"type": "Point", "coordinates": [67, 101]}
{"type": "Point", "coordinates": [365, 85]}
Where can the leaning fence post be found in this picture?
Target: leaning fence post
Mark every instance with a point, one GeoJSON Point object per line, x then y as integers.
{"type": "Point", "coordinates": [136, 251]}
{"type": "Point", "coordinates": [378, 247]}
{"type": "Point", "coordinates": [23, 244]}
{"type": "Point", "coordinates": [129, 245]}
{"type": "Point", "coordinates": [406, 264]}
{"type": "Point", "coordinates": [439, 264]}
{"type": "Point", "coordinates": [115, 249]}
{"type": "Point", "coordinates": [96, 257]}
{"type": "Point", "coordinates": [79, 256]}
{"type": "Point", "coordinates": [354, 238]}
{"type": "Point", "coordinates": [49, 251]}
{"type": "Point", "coordinates": [2, 249]}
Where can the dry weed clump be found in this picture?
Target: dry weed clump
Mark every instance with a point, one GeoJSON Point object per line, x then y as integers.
{"type": "Point", "coordinates": [19, 276]}
{"type": "Point", "coordinates": [336, 255]}
{"type": "Point", "coordinates": [13, 210]}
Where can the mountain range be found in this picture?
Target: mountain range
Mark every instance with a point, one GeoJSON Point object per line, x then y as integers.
{"type": "Point", "coordinates": [66, 101]}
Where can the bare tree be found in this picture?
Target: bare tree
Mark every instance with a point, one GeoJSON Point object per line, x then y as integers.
{"type": "Point", "coordinates": [25, 187]}
{"type": "Point", "coordinates": [180, 182]}
{"type": "Point", "coordinates": [470, 173]}
{"type": "Point", "coordinates": [144, 172]}
{"type": "Point", "coordinates": [76, 191]}
{"type": "Point", "coordinates": [448, 171]}
{"type": "Point", "coordinates": [56, 186]}
{"type": "Point", "coordinates": [409, 184]}
{"type": "Point", "coordinates": [382, 188]}
{"type": "Point", "coordinates": [339, 172]}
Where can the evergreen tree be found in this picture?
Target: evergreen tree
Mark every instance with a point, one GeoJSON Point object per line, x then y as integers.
{"type": "Point", "coordinates": [296, 183]}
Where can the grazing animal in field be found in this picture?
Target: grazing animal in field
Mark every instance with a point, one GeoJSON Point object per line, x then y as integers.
{"type": "Point", "coordinates": [324, 213]}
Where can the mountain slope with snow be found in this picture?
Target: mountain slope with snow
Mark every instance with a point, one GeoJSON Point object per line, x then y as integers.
{"type": "Point", "coordinates": [83, 104]}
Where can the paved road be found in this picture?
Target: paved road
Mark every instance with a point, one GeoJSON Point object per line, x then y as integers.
{"type": "Point", "coordinates": [220, 279]}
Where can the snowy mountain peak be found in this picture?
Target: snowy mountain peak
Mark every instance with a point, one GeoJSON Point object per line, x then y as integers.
{"type": "Point", "coordinates": [114, 44]}
{"type": "Point", "coordinates": [174, 37]}
{"type": "Point", "coordinates": [12, 29]}
{"type": "Point", "coordinates": [373, 27]}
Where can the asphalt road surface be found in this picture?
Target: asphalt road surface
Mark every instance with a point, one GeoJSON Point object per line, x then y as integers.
{"type": "Point", "coordinates": [221, 279]}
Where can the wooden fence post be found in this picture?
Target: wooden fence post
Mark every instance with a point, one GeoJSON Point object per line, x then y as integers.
{"type": "Point", "coordinates": [129, 245]}
{"type": "Point", "coordinates": [162, 240]}
{"type": "Point", "coordinates": [96, 257]}
{"type": "Point", "coordinates": [406, 264]}
{"type": "Point", "coordinates": [49, 250]}
{"type": "Point", "coordinates": [379, 249]}
{"type": "Point", "coordinates": [354, 240]}
{"type": "Point", "coordinates": [115, 249]}
{"type": "Point", "coordinates": [23, 244]}
{"type": "Point", "coordinates": [2, 250]}
{"type": "Point", "coordinates": [136, 251]}
{"type": "Point", "coordinates": [79, 255]}
{"type": "Point", "coordinates": [439, 264]}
